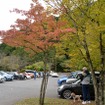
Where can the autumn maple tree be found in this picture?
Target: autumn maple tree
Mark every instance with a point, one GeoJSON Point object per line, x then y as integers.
{"type": "Point", "coordinates": [37, 32]}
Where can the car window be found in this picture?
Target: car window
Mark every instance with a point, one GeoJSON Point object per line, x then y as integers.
{"type": "Point", "coordinates": [74, 74]}
{"type": "Point", "coordinates": [77, 74]}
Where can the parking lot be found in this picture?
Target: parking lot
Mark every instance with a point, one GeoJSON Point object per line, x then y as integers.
{"type": "Point", "coordinates": [13, 91]}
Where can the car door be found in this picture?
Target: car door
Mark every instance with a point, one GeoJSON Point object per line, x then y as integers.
{"type": "Point", "coordinates": [77, 87]}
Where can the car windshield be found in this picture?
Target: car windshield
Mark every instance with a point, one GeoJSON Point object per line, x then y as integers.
{"type": "Point", "coordinates": [74, 74]}
{"type": "Point", "coordinates": [70, 76]}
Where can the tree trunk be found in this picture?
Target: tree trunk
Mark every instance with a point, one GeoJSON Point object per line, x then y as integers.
{"type": "Point", "coordinates": [43, 89]}
{"type": "Point", "coordinates": [44, 83]}
{"type": "Point", "coordinates": [90, 64]}
{"type": "Point", "coordinates": [101, 90]}
{"type": "Point", "coordinates": [102, 75]}
{"type": "Point", "coordinates": [98, 87]}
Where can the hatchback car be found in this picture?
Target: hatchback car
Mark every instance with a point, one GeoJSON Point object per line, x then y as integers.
{"type": "Point", "coordinates": [65, 90]}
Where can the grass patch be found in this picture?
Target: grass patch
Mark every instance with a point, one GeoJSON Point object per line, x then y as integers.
{"type": "Point", "coordinates": [50, 101]}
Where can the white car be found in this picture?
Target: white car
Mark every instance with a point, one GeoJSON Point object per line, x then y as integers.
{"type": "Point", "coordinates": [28, 77]}
{"type": "Point", "coordinates": [54, 74]}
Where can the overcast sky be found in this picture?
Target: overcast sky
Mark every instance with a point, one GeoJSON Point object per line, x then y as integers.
{"type": "Point", "coordinates": [7, 18]}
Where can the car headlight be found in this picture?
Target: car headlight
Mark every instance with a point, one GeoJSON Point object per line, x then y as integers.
{"type": "Point", "coordinates": [60, 87]}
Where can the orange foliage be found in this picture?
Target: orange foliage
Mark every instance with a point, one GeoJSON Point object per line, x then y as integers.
{"type": "Point", "coordinates": [37, 32]}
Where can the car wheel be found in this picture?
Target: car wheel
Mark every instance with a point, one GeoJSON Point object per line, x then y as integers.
{"type": "Point", "coordinates": [12, 78]}
{"type": "Point", "coordinates": [25, 77]}
{"type": "Point", "coordinates": [2, 80]}
{"type": "Point", "coordinates": [66, 94]}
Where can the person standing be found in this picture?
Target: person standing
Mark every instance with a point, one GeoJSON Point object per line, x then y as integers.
{"type": "Point", "coordinates": [35, 74]}
{"type": "Point", "coordinates": [85, 86]}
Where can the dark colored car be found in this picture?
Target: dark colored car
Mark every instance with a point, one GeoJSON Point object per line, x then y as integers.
{"type": "Point", "coordinates": [14, 74]}
{"type": "Point", "coordinates": [65, 90]}
{"type": "Point", "coordinates": [17, 76]}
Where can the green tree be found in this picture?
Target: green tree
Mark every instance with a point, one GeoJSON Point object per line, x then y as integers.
{"type": "Point", "coordinates": [12, 58]}
{"type": "Point", "coordinates": [87, 17]}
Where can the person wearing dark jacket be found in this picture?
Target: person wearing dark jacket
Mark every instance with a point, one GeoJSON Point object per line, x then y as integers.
{"type": "Point", "coordinates": [85, 86]}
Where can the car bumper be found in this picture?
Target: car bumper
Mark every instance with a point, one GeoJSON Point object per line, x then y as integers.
{"type": "Point", "coordinates": [9, 78]}
{"type": "Point", "coordinates": [59, 91]}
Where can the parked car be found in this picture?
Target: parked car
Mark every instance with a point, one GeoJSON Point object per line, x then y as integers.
{"type": "Point", "coordinates": [27, 76]}
{"type": "Point", "coordinates": [62, 80]}
{"type": "Point", "coordinates": [72, 77]}
{"type": "Point", "coordinates": [8, 77]}
{"type": "Point", "coordinates": [14, 74]}
{"type": "Point", "coordinates": [54, 74]}
{"type": "Point", "coordinates": [31, 73]}
{"type": "Point", "coordinates": [65, 90]}
{"type": "Point", "coordinates": [19, 76]}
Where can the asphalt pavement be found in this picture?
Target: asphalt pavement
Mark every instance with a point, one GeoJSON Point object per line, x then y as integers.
{"type": "Point", "coordinates": [17, 90]}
